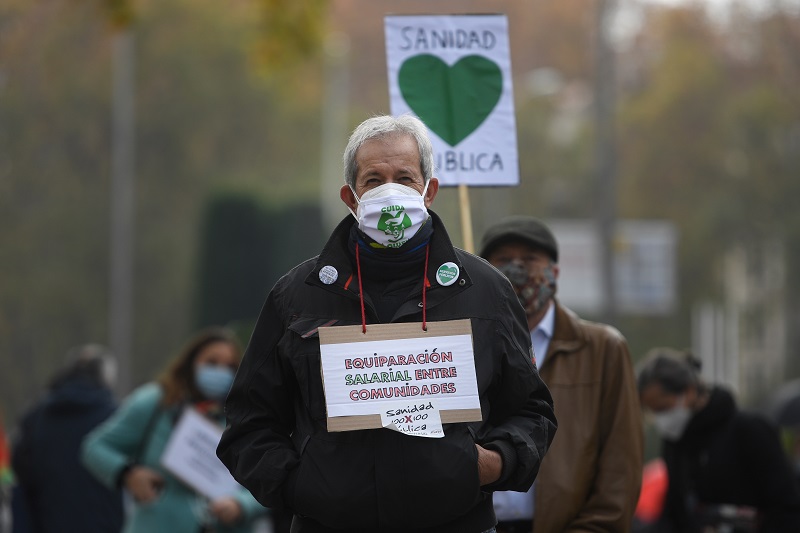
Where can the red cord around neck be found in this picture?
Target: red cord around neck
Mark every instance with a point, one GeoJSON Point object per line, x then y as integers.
{"type": "Point", "coordinates": [424, 286]}
{"type": "Point", "coordinates": [361, 291]}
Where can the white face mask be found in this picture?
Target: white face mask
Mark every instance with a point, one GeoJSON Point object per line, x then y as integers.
{"type": "Point", "coordinates": [108, 372]}
{"type": "Point", "coordinates": [672, 423]}
{"type": "Point", "coordinates": [391, 213]}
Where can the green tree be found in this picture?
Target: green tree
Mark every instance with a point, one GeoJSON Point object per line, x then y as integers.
{"type": "Point", "coordinates": [235, 265]}
{"type": "Point", "coordinates": [709, 140]}
{"type": "Point", "coordinates": [206, 118]}
{"type": "Point", "coordinates": [246, 246]}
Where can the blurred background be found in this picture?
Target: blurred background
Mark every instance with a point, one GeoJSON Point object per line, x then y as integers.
{"type": "Point", "coordinates": [164, 162]}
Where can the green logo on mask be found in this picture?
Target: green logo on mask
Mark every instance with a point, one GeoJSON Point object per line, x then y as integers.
{"type": "Point", "coordinates": [393, 222]}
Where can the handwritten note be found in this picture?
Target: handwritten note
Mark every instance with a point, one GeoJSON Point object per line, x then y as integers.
{"type": "Point", "coordinates": [415, 419]}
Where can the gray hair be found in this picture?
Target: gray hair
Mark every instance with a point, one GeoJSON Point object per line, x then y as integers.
{"type": "Point", "coordinates": [381, 126]}
{"type": "Point", "coordinates": [674, 370]}
{"type": "Point", "coordinates": [92, 361]}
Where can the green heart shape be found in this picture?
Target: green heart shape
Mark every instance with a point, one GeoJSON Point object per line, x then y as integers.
{"type": "Point", "coordinates": [452, 101]}
{"type": "Point", "coordinates": [446, 274]}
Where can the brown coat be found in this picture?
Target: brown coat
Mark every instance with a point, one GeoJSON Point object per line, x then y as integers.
{"type": "Point", "coordinates": [591, 476]}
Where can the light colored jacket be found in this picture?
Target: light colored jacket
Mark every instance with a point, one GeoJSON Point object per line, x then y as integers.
{"type": "Point", "coordinates": [109, 448]}
{"type": "Point", "coordinates": [591, 476]}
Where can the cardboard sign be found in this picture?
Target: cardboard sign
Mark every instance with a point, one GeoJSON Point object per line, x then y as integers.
{"type": "Point", "coordinates": [454, 73]}
{"type": "Point", "coordinates": [190, 455]}
{"type": "Point", "coordinates": [364, 374]}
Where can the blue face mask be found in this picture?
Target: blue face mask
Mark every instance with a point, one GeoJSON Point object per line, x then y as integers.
{"type": "Point", "coordinates": [213, 382]}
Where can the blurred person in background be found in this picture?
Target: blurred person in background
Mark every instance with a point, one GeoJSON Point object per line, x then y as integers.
{"type": "Point", "coordinates": [6, 478]}
{"type": "Point", "coordinates": [126, 450]}
{"type": "Point", "coordinates": [651, 498]}
{"type": "Point", "coordinates": [58, 494]}
{"type": "Point", "coordinates": [590, 478]}
{"type": "Point", "coordinates": [794, 452]}
{"type": "Point", "coordinates": [726, 468]}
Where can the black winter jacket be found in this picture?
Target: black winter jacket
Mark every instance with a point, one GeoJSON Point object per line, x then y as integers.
{"type": "Point", "coordinates": [277, 444]}
{"type": "Point", "coordinates": [728, 457]}
{"type": "Point", "coordinates": [60, 494]}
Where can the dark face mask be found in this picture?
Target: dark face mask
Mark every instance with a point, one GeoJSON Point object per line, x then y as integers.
{"type": "Point", "coordinates": [533, 288]}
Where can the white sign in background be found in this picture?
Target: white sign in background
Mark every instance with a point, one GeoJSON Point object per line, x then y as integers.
{"type": "Point", "coordinates": [644, 261]}
{"type": "Point", "coordinates": [454, 73]}
{"type": "Point", "coordinates": [190, 455]}
{"type": "Point", "coordinates": [343, 384]}
{"type": "Point", "coordinates": [644, 266]}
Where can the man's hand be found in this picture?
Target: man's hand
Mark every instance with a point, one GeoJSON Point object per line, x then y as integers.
{"type": "Point", "coordinates": [490, 465]}
{"type": "Point", "coordinates": [143, 483]}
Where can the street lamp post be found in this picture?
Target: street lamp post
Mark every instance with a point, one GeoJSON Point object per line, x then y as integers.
{"type": "Point", "coordinates": [122, 205]}
{"type": "Point", "coordinates": [605, 156]}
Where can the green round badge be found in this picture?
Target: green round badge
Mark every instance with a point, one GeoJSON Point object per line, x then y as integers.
{"type": "Point", "coordinates": [447, 274]}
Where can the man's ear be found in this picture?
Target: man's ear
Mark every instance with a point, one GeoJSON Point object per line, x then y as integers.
{"type": "Point", "coordinates": [347, 196]}
{"type": "Point", "coordinates": [430, 194]}
{"type": "Point", "coordinates": [556, 270]}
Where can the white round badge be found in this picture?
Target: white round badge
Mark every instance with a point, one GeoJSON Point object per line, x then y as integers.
{"type": "Point", "coordinates": [447, 274]}
{"type": "Point", "coordinates": [328, 274]}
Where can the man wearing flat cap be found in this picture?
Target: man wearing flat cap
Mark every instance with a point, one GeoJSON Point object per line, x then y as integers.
{"type": "Point", "coordinates": [590, 478]}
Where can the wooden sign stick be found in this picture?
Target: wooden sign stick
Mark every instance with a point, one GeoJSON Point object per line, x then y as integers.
{"type": "Point", "coordinates": [466, 218]}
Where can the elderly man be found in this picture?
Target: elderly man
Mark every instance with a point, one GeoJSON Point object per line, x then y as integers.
{"type": "Point", "coordinates": [392, 263]}
{"type": "Point", "coordinates": [591, 477]}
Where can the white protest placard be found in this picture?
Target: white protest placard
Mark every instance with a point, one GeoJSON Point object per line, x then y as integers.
{"type": "Point", "coordinates": [365, 375]}
{"type": "Point", "coordinates": [454, 73]}
{"type": "Point", "coordinates": [190, 455]}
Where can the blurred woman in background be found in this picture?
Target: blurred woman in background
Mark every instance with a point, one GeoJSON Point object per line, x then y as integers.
{"type": "Point", "coordinates": [126, 451]}
{"type": "Point", "coordinates": [726, 468]}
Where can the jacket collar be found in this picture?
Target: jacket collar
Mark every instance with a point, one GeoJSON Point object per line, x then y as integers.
{"type": "Point", "coordinates": [721, 407]}
{"type": "Point", "coordinates": [567, 334]}
{"type": "Point", "coordinates": [335, 258]}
